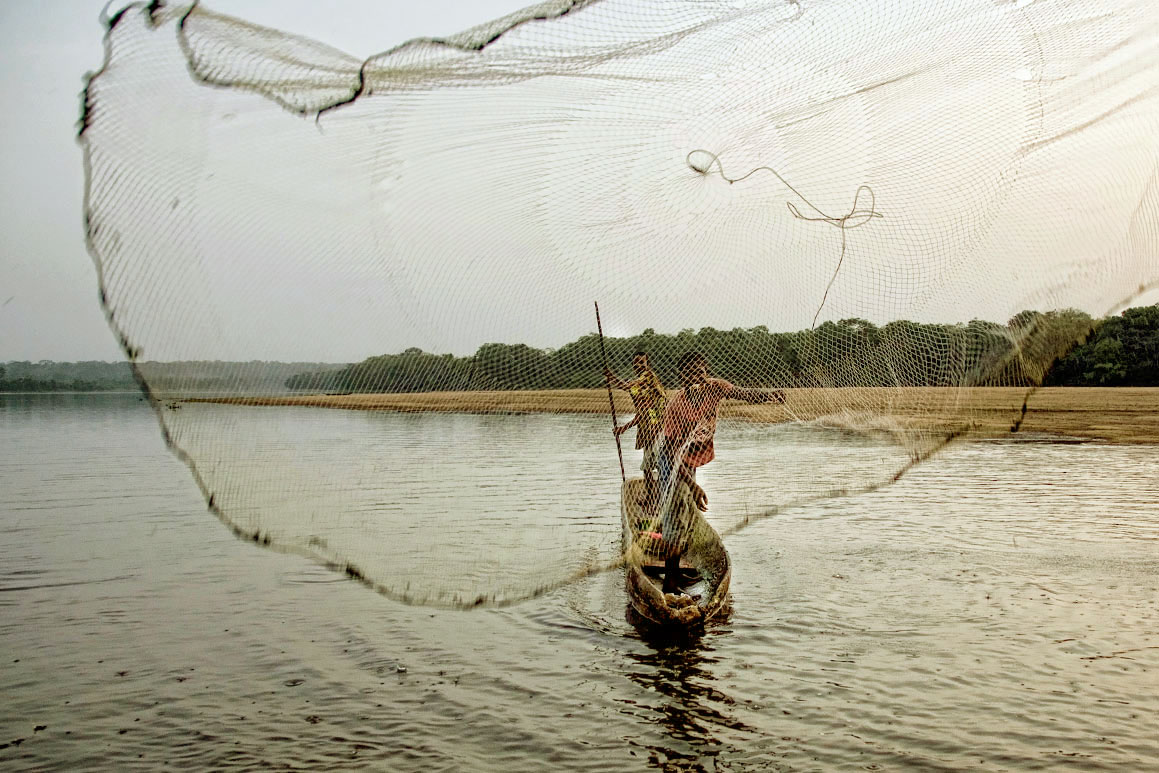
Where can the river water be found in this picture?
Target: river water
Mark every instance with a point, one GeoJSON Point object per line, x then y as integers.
{"type": "Point", "coordinates": [997, 609]}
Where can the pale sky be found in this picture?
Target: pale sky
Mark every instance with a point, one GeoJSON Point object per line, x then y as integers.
{"type": "Point", "coordinates": [48, 293]}
{"type": "Point", "coordinates": [48, 289]}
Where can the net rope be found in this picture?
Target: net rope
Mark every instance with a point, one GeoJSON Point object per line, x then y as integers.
{"type": "Point", "coordinates": [896, 215]}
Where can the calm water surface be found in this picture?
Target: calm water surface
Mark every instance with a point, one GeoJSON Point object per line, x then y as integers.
{"type": "Point", "coordinates": [997, 609]}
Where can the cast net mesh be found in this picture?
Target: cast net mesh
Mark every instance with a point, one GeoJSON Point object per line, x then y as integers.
{"type": "Point", "coordinates": [851, 200]}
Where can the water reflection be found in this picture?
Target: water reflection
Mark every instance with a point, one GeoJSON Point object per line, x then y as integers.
{"type": "Point", "coordinates": [678, 669]}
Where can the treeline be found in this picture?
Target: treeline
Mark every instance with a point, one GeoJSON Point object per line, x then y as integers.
{"type": "Point", "coordinates": [212, 376]}
{"type": "Point", "coordinates": [1058, 348]}
{"type": "Point", "coordinates": [851, 352]}
{"type": "Point", "coordinates": [255, 376]}
{"type": "Point", "coordinates": [47, 376]}
{"type": "Point", "coordinates": [52, 385]}
{"type": "Point", "coordinates": [1122, 351]}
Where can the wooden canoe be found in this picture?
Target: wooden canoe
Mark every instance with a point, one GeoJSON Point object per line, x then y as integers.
{"type": "Point", "coordinates": [705, 568]}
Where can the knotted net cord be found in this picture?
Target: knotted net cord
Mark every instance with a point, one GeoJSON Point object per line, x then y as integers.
{"type": "Point", "coordinates": [435, 220]}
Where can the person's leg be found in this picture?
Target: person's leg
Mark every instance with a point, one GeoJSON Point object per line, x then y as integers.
{"type": "Point", "coordinates": [669, 531]}
{"type": "Point", "coordinates": [671, 574]}
{"type": "Point", "coordinates": [648, 465]}
{"type": "Point", "coordinates": [664, 464]}
{"type": "Point", "coordinates": [649, 468]}
{"type": "Point", "coordinates": [671, 501]}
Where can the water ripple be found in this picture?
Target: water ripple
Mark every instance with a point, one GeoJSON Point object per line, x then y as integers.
{"type": "Point", "coordinates": [998, 608]}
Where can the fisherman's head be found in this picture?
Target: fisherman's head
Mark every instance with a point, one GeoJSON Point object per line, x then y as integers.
{"type": "Point", "coordinates": [693, 368]}
{"type": "Point", "coordinates": [640, 363]}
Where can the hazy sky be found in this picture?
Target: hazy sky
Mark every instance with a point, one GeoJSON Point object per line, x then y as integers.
{"type": "Point", "coordinates": [48, 294]}
{"type": "Point", "coordinates": [48, 290]}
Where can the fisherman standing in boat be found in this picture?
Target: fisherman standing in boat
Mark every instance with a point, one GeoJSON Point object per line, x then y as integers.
{"type": "Point", "coordinates": [648, 399]}
{"type": "Point", "coordinates": [686, 443]}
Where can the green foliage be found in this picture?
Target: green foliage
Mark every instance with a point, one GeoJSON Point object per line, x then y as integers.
{"type": "Point", "coordinates": [850, 352]}
{"type": "Point", "coordinates": [1123, 351]}
{"type": "Point", "coordinates": [48, 376]}
{"type": "Point", "coordinates": [25, 376]}
{"type": "Point", "coordinates": [184, 377]}
{"type": "Point", "coordinates": [1058, 348]}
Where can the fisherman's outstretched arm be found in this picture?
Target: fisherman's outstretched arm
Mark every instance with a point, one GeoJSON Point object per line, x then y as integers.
{"type": "Point", "coordinates": [756, 395]}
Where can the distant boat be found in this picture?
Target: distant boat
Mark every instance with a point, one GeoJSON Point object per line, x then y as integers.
{"type": "Point", "coordinates": [705, 569]}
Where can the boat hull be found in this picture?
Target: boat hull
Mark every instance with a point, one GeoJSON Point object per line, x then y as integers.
{"type": "Point", "coordinates": [705, 566]}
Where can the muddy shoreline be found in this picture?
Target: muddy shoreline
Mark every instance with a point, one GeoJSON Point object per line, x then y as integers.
{"type": "Point", "coordinates": [1108, 414]}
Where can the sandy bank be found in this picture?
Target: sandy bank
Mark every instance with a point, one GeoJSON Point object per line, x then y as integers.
{"type": "Point", "coordinates": [1112, 414]}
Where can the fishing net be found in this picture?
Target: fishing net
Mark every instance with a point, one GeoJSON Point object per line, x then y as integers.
{"type": "Point", "coordinates": [898, 213]}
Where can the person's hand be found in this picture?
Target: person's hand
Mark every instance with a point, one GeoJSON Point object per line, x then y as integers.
{"type": "Point", "coordinates": [619, 430]}
{"type": "Point", "coordinates": [609, 376]}
{"type": "Point", "coordinates": [767, 396]}
{"type": "Point", "coordinates": [699, 498]}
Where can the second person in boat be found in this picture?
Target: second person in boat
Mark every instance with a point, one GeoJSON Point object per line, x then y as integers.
{"type": "Point", "coordinates": [648, 399]}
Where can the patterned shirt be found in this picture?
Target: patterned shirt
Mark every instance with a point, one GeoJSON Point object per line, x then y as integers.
{"type": "Point", "coordinates": [648, 398]}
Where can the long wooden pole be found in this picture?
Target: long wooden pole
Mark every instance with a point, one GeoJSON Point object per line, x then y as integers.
{"type": "Point", "coordinates": [611, 400]}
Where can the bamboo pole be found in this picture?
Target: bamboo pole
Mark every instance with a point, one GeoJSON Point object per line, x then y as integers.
{"type": "Point", "coordinates": [611, 400]}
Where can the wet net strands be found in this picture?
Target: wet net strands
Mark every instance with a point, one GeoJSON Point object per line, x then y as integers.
{"type": "Point", "coordinates": [878, 176]}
